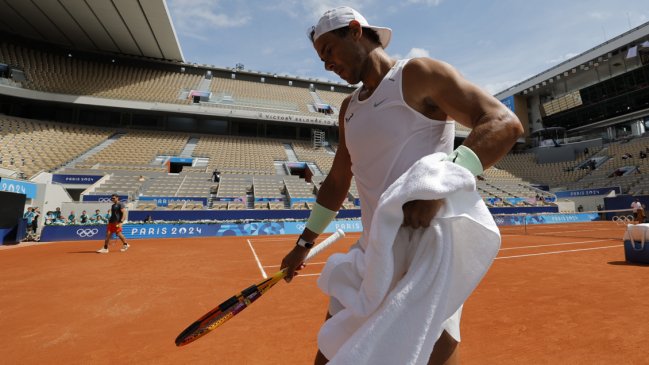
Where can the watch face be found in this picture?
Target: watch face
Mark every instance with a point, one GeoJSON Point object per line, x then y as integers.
{"type": "Point", "coordinates": [301, 242]}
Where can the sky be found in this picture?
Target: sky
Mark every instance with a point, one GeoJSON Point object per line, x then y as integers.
{"type": "Point", "coordinates": [493, 43]}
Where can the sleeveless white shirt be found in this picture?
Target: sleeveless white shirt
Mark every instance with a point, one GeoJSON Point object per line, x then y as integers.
{"type": "Point", "coordinates": [385, 137]}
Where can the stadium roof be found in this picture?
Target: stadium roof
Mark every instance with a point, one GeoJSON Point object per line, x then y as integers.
{"type": "Point", "coordinates": [600, 52]}
{"type": "Point", "coordinates": [131, 27]}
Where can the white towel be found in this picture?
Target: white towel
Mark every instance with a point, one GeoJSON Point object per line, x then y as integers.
{"type": "Point", "coordinates": [399, 292]}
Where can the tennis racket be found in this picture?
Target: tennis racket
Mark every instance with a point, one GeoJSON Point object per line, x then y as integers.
{"type": "Point", "coordinates": [233, 306]}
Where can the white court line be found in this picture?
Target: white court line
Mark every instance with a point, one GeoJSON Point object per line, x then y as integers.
{"type": "Point", "coordinates": [552, 244]}
{"type": "Point", "coordinates": [261, 268]}
{"type": "Point", "coordinates": [556, 252]}
{"type": "Point", "coordinates": [302, 275]}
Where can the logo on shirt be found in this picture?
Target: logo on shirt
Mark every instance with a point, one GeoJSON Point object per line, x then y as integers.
{"type": "Point", "coordinates": [379, 102]}
{"type": "Point", "coordinates": [349, 118]}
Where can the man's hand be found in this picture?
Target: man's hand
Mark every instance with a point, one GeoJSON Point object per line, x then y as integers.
{"type": "Point", "coordinates": [294, 261]}
{"type": "Point", "coordinates": [419, 213]}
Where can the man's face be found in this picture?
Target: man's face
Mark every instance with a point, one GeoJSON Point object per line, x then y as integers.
{"type": "Point", "coordinates": [342, 56]}
{"type": "Point", "coordinates": [113, 199]}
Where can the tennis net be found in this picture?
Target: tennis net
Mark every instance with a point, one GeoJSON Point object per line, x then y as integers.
{"type": "Point", "coordinates": [605, 224]}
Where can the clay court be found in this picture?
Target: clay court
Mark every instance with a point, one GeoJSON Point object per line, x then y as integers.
{"type": "Point", "coordinates": [546, 300]}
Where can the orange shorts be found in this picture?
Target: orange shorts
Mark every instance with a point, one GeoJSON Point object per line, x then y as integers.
{"type": "Point", "coordinates": [114, 228]}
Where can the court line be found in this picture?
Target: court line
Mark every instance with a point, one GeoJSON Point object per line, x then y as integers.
{"type": "Point", "coordinates": [261, 268]}
{"type": "Point", "coordinates": [557, 252]}
{"type": "Point", "coordinates": [553, 244]}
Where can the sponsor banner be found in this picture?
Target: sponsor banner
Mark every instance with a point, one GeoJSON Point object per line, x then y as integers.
{"type": "Point", "coordinates": [135, 231]}
{"type": "Point", "coordinates": [163, 201]}
{"type": "Point", "coordinates": [298, 200]}
{"type": "Point", "coordinates": [102, 198]}
{"type": "Point", "coordinates": [130, 231]}
{"type": "Point", "coordinates": [75, 179]}
{"type": "Point", "coordinates": [586, 192]}
{"type": "Point", "coordinates": [269, 199]}
{"type": "Point", "coordinates": [182, 160]}
{"type": "Point", "coordinates": [229, 199]}
{"type": "Point", "coordinates": [21, 187]}
{"type": "Point", "coordinates": [516, 201]}
{"type": "Point", "coordinates": [516, 220]}
{"type": "Point", "coordinates": [188, 230]}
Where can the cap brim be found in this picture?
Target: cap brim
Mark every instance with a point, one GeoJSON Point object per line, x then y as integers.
{"type": "Point", "coordinates": [385, 35]}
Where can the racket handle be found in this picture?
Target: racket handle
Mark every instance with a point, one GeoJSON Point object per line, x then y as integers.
{"type": "Point", "coordinates": [326, 243]}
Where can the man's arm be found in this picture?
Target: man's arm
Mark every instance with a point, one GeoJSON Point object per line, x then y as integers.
{"type": "Point", "coordinates": [438, 91]}
{"type": "Point", "coordinates": [495, 128]}
{"type": "Point", "coordinates": [123, 210]}
{"type": "Point", "coordinates": [331, 195]}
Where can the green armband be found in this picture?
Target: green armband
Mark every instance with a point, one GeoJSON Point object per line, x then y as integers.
{"type": "Point", "coordinates": [320, 218]}
{"type": "Point", "coordinates": [466, 158]}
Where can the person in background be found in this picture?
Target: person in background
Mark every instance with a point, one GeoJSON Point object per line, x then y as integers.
{"type": "Point", "coordinates": [72, 219]}
{"type": "Point", "coordinates": [115, 221]}
{"type": "Point", "coordinates": [83, 218]}
{"type": "Point", "coordinates": [37, 215]}
{"type": "Point", "coordinates": [97, 218]}
{"type": "Point", "coordinates": [636, 206]}
{"type": "Point", "coordinates": [29, 216]}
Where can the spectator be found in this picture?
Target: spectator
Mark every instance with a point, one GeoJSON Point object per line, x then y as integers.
{"type": "Point", "coordinates": [72, 219]}
{"type": "Point", "coordinates": [57, 213]}
{"type": "Point", "coordinates": [216, 176]}
{"type": "Point", "coordinates": [141, 178]}
{"type": "Point", "coordinates": [37, 215]}
{"type": "Point", "coordinates": [637, 206]}
{"type": "Point", "coordinates": [586, 151]}
{"type": "Point", "coordinates": [49, 217]}
{"type": "Point", "coordinates": [642, 154]}
{"type": "Point", "coordinates": [97, 218]}
{"type": "Point", "coordinates": [580, 208]}
{"type": "Point", "coordinates": [602, 216]}
{"type": "Point", "coordinates": [29, 216]}
{"type": "Point", "coordinates": [83, 217]}
{"type": "Point", "coordinates": [107, 216]}
{"type": "Point", "coordinates": [148, 219]}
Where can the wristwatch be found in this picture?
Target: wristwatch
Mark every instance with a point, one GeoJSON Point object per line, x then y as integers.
{"type": "Point", "coordinates": [303, 243]}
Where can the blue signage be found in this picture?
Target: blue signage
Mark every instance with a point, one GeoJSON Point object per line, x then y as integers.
{"type": "Point", "coordinates": [530, 219]}
{"type": "Point", "coordinates": [188, 230]}
{"type": "Point", "coordinates": [587, 192]}
{"type": "Point", "coordinates": [75, 179]}
{"type": "Point", "coordinates": [182, 160]}
{"type": "Point", "coordinates": [101, 198]}
{"type": "Point", "coordinates": [21, 187]}
{"type": "Point", "coordinates": [509, 102]}
{"type": "Point", "coordinates": [163, 201]}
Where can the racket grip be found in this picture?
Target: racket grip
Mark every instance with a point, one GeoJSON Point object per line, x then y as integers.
{"type": "Point", "coordinates": [326, 243]}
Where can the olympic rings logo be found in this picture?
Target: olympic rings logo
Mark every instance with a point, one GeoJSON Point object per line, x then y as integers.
{"type": "Point", "coordinates": [87, 232]}
{"type": "Point", "coordinates": [104, 200]}
{"type": "Point", "coordinates": [300, 226]}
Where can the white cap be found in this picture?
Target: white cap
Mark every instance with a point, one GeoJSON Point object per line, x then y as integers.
{"type": "Point", "coordinates": [341, 17]}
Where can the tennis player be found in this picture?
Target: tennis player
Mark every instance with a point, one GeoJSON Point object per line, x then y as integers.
{"type": "Point", "coordinates": [403, 111]}
{"type": "Point", "coordinates": [117, 217]}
